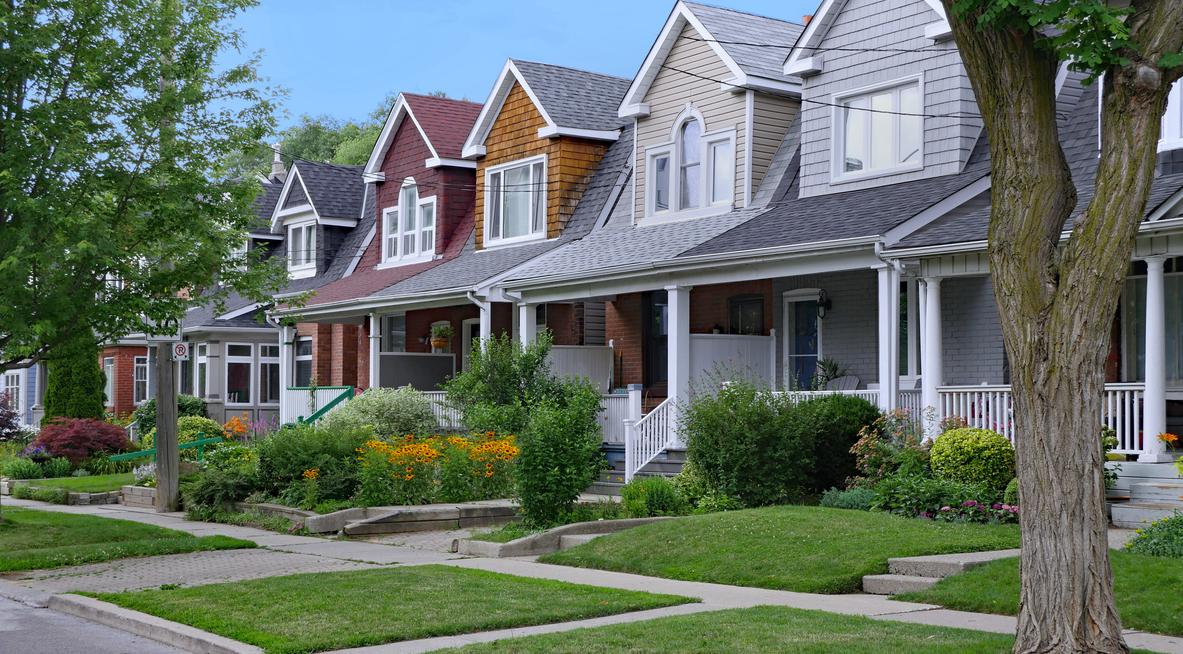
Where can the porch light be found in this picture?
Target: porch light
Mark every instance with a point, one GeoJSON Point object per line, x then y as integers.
{"type": "Point", "coordinates": [823, 303]}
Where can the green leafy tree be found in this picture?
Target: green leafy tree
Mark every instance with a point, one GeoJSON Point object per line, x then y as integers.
{"type": "Point", "coordinates": [75, 381]}
{"type": "Point", "coordinates": [503, 382]}
{"type": "Point", "coordinates": [115, 118]}
{"type": "Point", "coordinates": [1057, 299]}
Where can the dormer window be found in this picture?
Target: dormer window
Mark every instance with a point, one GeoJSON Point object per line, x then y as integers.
{"type": "Point", "coordinates": [878, 132]}
{"type": "Point", "coordinates": [408, 229]}
{"type": "Point", "coordinates": [302, 249]}
{"type": "Point", "coordinates": [1172, 121]}
{"type": "Point", "coordinates": [694, 174]}
{"type": "Point", "coordinates": [515, 201]}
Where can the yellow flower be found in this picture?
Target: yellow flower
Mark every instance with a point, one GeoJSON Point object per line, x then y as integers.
{"type": "Point", "coordinates": [311, 474]}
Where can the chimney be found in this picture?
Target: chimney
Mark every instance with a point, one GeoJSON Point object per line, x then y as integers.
{"type": "Point", "coordinates": [278, 171]}
{"type": "Point", "coordinates": [806, 18]}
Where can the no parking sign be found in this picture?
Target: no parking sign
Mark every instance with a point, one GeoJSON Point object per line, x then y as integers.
{"type": "Point", "coordinates": [180, 351]}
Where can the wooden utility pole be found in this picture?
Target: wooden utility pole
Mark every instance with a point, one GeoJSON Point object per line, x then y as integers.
{"type": "Point", "coordinates": [167, 457]}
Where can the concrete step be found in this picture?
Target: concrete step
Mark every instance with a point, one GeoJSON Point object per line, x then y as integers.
{"type": "Point", "coordinates": [566, 542]}
{"type": "Point", "coordinates": [944, 565]}
{"type": "Point", "coordinates": [1166, 492]}
{"type": "Point", "coordinates": [1134, 515]}
{"type": "Point", "coordinates": [1146, 470]}
{"type": "Point", "coordinates": [605, 488]}
{"type": "Point", "coordinates": [895, 584]}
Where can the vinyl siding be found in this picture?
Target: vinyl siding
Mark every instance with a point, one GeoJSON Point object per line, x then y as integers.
{"type": "Point", "coordinates": [850, 330]}
{"type": "Point", "coordinates": [771, 117]}
{"type": "Point", "coordinates": [672, 91]}
{"type": "Point", "coordinates": [887, 24]}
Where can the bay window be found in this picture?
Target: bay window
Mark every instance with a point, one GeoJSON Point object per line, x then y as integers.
{"type": "Point", "coordinates": [515, 201]}
{"type": "Point", "coordinates": [692, 175]}
{"type": "Point", "coordinates": [269, 386]}
{"type": "Point", "coordinates": [879, 131]}
{"type": "Point", "coordinates": [239, 371]}
{"type": "Point", "coordinates": [408, 229]}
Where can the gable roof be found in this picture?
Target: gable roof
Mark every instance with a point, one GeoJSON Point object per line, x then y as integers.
{"type": "Point", "coordinates": [334, 192]}
{"type": "Point", "coordinates": [264, 205]}
{"type": "Point", "coordinates": [738, 38]}
{"type": "Point", "coordinates": [443, 124]}
{"type": "Point", "coordinates": [805, 55]}
{"type": "Point", "coordinates": [572, 102]}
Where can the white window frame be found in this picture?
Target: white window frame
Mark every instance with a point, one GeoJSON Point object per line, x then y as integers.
{"type": "Point", "coordinates": [14, 390]}
{"type": "Point", "coordinates": [673, 149]}
{"type": "Point", "coordinates": [838, 132]}
{"type": "Point", "coordinates": [302, 262]}
{"type": "Point", "coordinates": [1171, 137]}
{"type": "Point", "coordinates": [265, 361]}
{"type": "Point", "coordinates": [540, 186]}
{"type": "Point", "coordinates": [138, 363]}
{"type": "Point", "coordinates": [109, 381]}
{"type": "Point", "coordinates": [201, 362]}
{"type": "Point", "coordinates": [382, 340]}
{"type": "Point", "coordinates": [238, 358]}
{"type": "Point", "coordinates": [297, 357]}
{"type": "Point", "coordinates": [393, 233]}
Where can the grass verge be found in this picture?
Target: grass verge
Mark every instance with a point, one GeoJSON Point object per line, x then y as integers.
{"type": "Point", "coordinates": [335, 610]}
{"type": "Point", "coordinates": [249, 518]}
{"type": "Point", "coordinates": [760, 630]}
{"type": "Point", "coordinates": [800, 548]}
{"type": "Point", "coordinates": [88, 484]}
{"type": "Point", "coordinates": [32, 540]}
{"type": "Point", "coordinates": [1146, 589]}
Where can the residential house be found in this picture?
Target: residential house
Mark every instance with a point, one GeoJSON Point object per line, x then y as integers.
{"type": "Point", "coordinates": [23, 390]}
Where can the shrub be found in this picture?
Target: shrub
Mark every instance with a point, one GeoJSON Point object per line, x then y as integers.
{"type": "Point", "coordinates": [644, 497]}
{"type": "Point", "coordinates": [912, 495]}
{"type": "Point", "coordinates": [22, 468]}
{"type": "Point", "coordinates": [231, 456]}
{"type": "Point", "coordinates": [742, 443]}
{"type": "Point", "coordinates": [51, 495]}
{"type": "Point", "coordinates": [560, 453]}
{"type": "Point", "coordinates": [702, 498]}
{"type": "Point", "coordinates": [1162, 538]}
{"type": "Point", "coordinates": [10, 424]}
{"type": "Point", "coordinates": [57, 467]}
{"type": "Point", "coordinates": [504, 381]}
{"type": "Point", "coordinates": [1011, 494]}
{"type": "Point", "coordinates": [389, 411]}
{"type": "Point", "coordinates": [215, 488]}
{"type": "Point", "coordinates": [74, 388]}
{"type": "Point", "coordinates": [1109, 442]}
{"type": "Point", "coordinates": [974, 456]}
{"type": "Point", "coordinates": [893, 444]}
{"type": "Point", "coordinates": [145, 475]}
{"type": "Point", "coordinates": [286, 454]}
{"type": "Point", "coordinates": [832, 424]}
{"type": "Point", "coordinates": [187, 405]}
{"type": "Point", "coordinates": [189, 429]}
{"type": "Point", "coordinates": [80, 438]}
{"type": "Point", "coordinates": [854, 498]}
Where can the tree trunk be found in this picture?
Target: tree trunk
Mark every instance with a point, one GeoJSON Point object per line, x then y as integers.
{"type": "Point", "coordinates": [1056, 304]}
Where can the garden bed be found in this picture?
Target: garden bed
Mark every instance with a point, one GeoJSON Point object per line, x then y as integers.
{"type": "Point", "coordinates": [35, 489]}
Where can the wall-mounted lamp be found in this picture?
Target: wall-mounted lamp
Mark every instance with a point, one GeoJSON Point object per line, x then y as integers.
{"type": "Point", "coordinates": [823, 303]}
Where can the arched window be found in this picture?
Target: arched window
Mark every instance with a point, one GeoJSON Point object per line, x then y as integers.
{"type": "Point", "coordinates": [694, 171]}
{"type": "Point", "coordinates": [690, 164]}
{"type": "Point", "coordinates": [408, 228]}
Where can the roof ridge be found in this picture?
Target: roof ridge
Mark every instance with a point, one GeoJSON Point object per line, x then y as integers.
{"type": "Point", "coordinates": [571, 68]}
{"type": "Point", "coordinates": [445, 99]}
{"type": "Point", "coordinates": [740, 11]}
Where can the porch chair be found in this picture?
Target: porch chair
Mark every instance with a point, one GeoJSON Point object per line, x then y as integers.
{"type": "Point", "coordinates": [844, 383]}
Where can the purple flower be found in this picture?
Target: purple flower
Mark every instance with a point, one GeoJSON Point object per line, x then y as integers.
{"type": "Point", "coordinates": [969, 503]}
{"type": "Point", "coordinates": [946, 508]}
{"type": "Point", "coordinates": [996, 506]}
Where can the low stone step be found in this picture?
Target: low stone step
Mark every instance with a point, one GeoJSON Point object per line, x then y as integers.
{"type": "Point", "coordinates": [605, 488]}
{"type": "Point", "coordinates": [575, 540]}
{"type": "Point", "coordinates": [1134, 515]}
{"type": "Point", "coordinates": [895, 584]}
{"type": "Point", "coordinates": [1158, 491]}
{"type": "Point", "coordinates": [944, 565]}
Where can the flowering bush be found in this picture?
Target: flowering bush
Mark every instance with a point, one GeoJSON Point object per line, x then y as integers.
{"type": "Point", "coordinates": [390, 412]}
{"type": "Point", "coordinates": [189, 429]}
{"type": "Point", "coordinates": [1162, 538]}
{"type": "Point", "coordinates": [79, 438]}
{"type": "Point", "coordinates": [451, 468]}
{"type": "Point", "coordinates": [145, 475]}
{"type": "Point", "coordinates": [236, 428]}
{"type": "Point", "coordinates": [893, 444]}
{"type": "Point", "coordinates": [975, 511]}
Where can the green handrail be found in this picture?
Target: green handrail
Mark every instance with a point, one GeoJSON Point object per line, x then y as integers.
{"type": "Point", "coordinates": [199, 444]}
{"type": "Point", "coordinates": [345, 395]}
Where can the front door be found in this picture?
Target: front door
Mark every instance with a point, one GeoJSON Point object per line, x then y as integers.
{"type": "Point", "coordinates": [803, 342]}
{"type": "Point", "coordinates": [656, 338]}
{"type": "Point", "coordinates": [470, 331]}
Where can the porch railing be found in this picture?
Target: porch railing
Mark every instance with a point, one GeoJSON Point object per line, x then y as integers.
{"type": "Point", "coordinates": [869, 395]}
{"type": "Point", "coordinates": [446, 416]}
{"type": "Point", "coordinates": [616, 408]}
{"type": "Point", "coordinates": [910, 401]}
{"type": "Point", "coordinates": [302, 402]}
{"type": "Point", "coordinates": [648, 437]}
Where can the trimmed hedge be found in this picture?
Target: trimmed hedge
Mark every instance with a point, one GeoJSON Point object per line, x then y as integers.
{"type": "Point", "coordinates": [974, 456]}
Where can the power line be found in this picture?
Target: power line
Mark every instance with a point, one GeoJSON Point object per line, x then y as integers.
{"type": "Point", "coordinates": [924, 49]}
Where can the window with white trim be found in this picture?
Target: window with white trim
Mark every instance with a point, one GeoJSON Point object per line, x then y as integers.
{"type": "Point", "coordinates": [269, 386]}
{"type": "Point", "coordinates": [874, 133]}
{"type": "Point", "coordinates": [12, 390]}
{"type": "Point", "coordinates": [1172, 121]}
{"type": "Point", "coordinates": [693, 173]}
{"type": "Point", "coordinates": [302, 247]}
{"type": "Point", "coordinates": [201, 369]}
{"type": "Point", "coordinates": [515, 201]}
{"type": "Point", "coordinates": [303, 362]}
{"type": "Point", "coordinates": [240, 363]}
{"type": "Point", "coordinates": [394, 333]}
{"type": "Point", "coordinates": [140, 380]}
{"type": "Point", "coordinates": [408, 229]}
{"type": "Point", "coordinates": [109, 380]}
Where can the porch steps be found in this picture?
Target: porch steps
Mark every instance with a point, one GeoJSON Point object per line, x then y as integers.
{"type": "Point", "coordinates": [1155, 491]}
{"type": "Point", "coordinates": [667, 464]}
{"type": "Point", "coordinates": [912, 573]}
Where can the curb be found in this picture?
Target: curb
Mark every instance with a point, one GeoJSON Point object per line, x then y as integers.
{"type": "Point", "coordinates": [547, 541]}
{"type": "Point", "coordinates": [178, 635]}
{"type": "Point", "coordinates": [29, 597]}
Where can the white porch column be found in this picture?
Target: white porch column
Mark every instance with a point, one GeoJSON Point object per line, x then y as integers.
{"type": "Point", "coordinates": [889, 324]}
{"type": "Point", "coordinates": [913, 328]}
{"type": "Point", "coordinates": [375, 350]}
{"type": "Point", "coordinates": [677, 346]}
{"type": "Point", "coordinates": [486, 324]}
{"type": "Point", "coordinates": [931, 365]}
{"type": "Point", "coordinates": [1154, 399]}
{"type": "Point", "coordinates": [287, 357]}
{"type": "Point", "coordinates": [527, 323]}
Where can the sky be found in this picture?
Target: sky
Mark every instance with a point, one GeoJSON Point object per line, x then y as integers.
{"type": "Point", "coordinates": [340, 58]}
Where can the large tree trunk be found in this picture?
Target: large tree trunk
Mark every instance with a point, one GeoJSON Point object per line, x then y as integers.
{"type": "Point", "coordinates": [1056, 303]}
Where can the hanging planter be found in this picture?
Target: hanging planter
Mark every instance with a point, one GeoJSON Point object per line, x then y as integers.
{"type": "Point", "coordinates": [441, 336]}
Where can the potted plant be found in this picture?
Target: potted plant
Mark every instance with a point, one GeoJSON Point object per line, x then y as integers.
{"type": "Point", "coordinates": [441, 335]}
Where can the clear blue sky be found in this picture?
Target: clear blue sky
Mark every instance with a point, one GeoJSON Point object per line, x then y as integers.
{"type": "Point", "coordinates": [341, 57]}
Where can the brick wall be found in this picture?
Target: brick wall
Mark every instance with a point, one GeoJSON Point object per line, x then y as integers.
{"type": "Point", "coordinates": [123, 401]}
{"type": "Point", "coordinates": [344, 355]}
{"type": "Point", "coordinates": [363, 356]}
{"type": "Point", "coordinates": [710, 306]}
{"type": "Point", "coordinates": [322, 349]}
{"type": "Point", "coordinates": [622, 326]}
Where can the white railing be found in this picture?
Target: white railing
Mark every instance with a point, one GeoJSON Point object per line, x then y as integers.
{"type": "Point", "coordinates": [910, 401]}
{"type": "Point", "coordinates": [592, 362]}
{"type": "Point", "coordinates": [617, 408]}
{"type": "Point", "coordinates": [992, 407]}
{"type": "Point", "coordinates": [648, 437]}
{"type": "Point", "coordinates": [446, 416]}
{"type": "Point", "coordinates": [870, 395]}
{"type": "Point", "coordinates": [301, 402]}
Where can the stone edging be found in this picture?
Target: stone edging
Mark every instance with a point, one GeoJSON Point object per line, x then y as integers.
{"type": "Point", "coordinates": [547, 541]}
{"type": "Point", "coordinates": [168, 632]}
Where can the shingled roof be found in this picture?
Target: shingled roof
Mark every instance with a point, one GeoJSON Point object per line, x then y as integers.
{"type": "Point", "coordinates": [575, 98]}
{"type": "Point", "coordinates": [743, 36]}
{"type": "Point", "coordinates": [445, 121]}
{"type": "Point", "coordinates": [335, 189]}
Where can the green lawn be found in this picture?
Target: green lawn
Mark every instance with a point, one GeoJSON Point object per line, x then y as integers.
{"type": "Point", "coordinates": [90, 484]}
{"type": "Point", "coordinates": [799, 548]}
{"type": "Point", "coordinates": [31, 540]}
{"type": "Point", "coordinates": [760, 630]}
{"type": "Point", "coordinates": [335, 610]}
{"type": "Point", "coordinates": [1146, 587]}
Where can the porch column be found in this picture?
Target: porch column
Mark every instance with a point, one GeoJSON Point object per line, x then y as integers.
{"type": "Point", "coordinates": [1154, 399]}
{"type": "Point", "coordinates": [889, 324]}
{"type": "Point", "coordinates": [931, 365]}
{"type": "Point", "coordinates": [913, 323]}
{"type": "Point", "coordinates": [677, 345]}
{"type": "Point", "coordinates": [486, 324]}
{"type": "Point", "coordinates": [287, 355]}
{"type": "Point", "coordinates": [527, 323]}
{"type": "Point", "coordinates": [375, 350]}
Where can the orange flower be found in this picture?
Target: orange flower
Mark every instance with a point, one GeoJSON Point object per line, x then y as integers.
{"type": "Point", "coordinates": [1168, 438]}
{"type": "Point", "coordinates": [311, 474]}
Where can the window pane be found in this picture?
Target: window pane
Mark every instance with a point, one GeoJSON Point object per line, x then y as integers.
{"type": "Point", "coordinates": [390, 229]}
{"type": "Point", "coordinates": [310, 244]}
{"type": "Point", "coordinates": [238, 382]}
{"type": "Point", "coordinates": [269, 351]}
{"type": "Point", "coordinates": [394, 333]}
{"type": "Point", "coordinates": [238, 350]}
{"type": "Point", "coordinates": [201, 368]}
{"type": "Point", "coordinates": [427, 242]}
{"type": "Point", "coordinates": [539, 218]}
{"type": "Point", "coordinates": [517, 202]}
{"type": "Point", "coordinates": [495, 198]}
{"type": "Point", "coordinates": [408, 244]}
{"type": "Point", "coordinates": [911, 127]}
{"type": "Point", "coordinates": [408, 200]}
{"type": "Point", "coordinates": [303, 373]}
{"type": "Point", "coordinates": [304, 347]}
{"type": "Point", "coordinates": [691, 133]}
{"type": "Point", "coordinates": [269, 383]}
{"type": "Point", "coordinates": [187, 376]}
{"type": "Point", "coordinates": [661, 183]}
{"type": "Point", "coordinates": [721, 183]}
{"type": "Point", "coordinates": [881, 131]}
{"type": "Point", "coordinates": [295, 235]}
{"type": "Point", "coordinates": [855, 137]}
{"type": "Point", "coordinates": [690, 189]}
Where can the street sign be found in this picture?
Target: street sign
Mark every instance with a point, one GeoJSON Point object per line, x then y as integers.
{"type": "Point", "coordinates": [180, 351]}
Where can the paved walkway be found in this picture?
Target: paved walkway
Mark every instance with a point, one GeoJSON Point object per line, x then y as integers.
{"type": "Point", "coordinates": [283, 554]}
{"type": "Point", "coordinates": [28, 630]}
